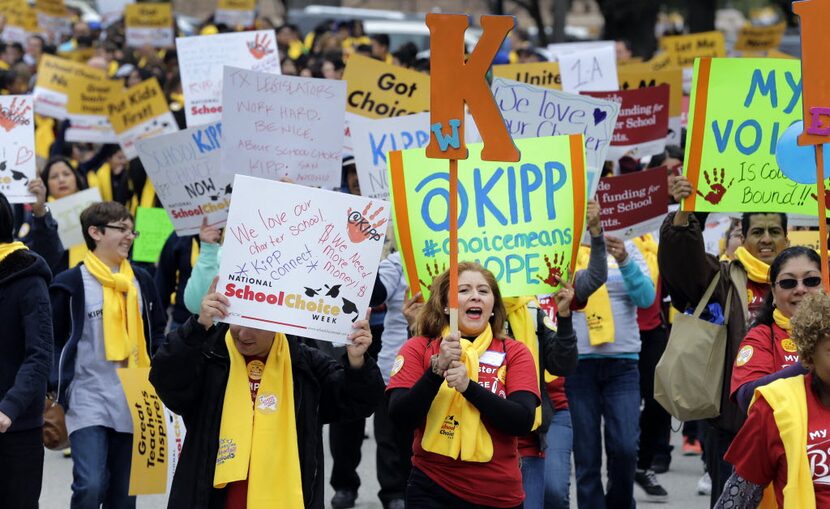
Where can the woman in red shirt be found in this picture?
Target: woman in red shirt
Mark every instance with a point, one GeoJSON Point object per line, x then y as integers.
{"type": "Point", "coordinates": [767, 352]}
{"type": "Point", "coordinates": [785, 438]}
{"type": "Point", "coordinates": [468, 396]}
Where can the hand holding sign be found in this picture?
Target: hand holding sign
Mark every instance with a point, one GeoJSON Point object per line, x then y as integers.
{"type": "Point", "coordinates": [616, 247]}
{"type": "Point", "coordinates": [214, 306]}
{"type": "Point", "coordinates": [563, 299]}
{"type": "Point", "coordinates": [592, 218]}
{"type": "Point", "coordinates": [360, 339]}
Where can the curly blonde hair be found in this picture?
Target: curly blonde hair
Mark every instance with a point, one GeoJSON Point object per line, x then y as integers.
{"type": "Point", "coordinates": [811, 325]}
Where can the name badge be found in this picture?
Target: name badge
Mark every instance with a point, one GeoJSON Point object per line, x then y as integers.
{"type": "Point", "coordinates": [492, 358]}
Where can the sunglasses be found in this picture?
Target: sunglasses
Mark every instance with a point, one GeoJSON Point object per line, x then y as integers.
{"type": "Point", "coordinates": [789, 284]}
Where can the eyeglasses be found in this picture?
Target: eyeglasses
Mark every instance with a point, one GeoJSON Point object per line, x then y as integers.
{"type": "Point", "coordinates": [789, 284]}
{"type": "Point", "coordinates": [122, 229]}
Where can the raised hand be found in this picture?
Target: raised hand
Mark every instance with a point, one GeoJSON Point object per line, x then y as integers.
{"type": "Point", "coordinates": [214, 306]}
{"type": "Point", "coordinates": [450, 350]}
{"type": "Point", "coordinates": [411, 307]}
{"type": "Point", "coordinates": [360, 339]}
{"type": "Point", "coordinates": [209, 234]}
{"type": "Point", "coordinates": [457, 377]}
{"type": "Point", "coordinates": [563, 299]}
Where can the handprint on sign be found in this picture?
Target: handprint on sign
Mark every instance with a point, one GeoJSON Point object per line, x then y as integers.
{"type": "Point", "coordinates": [826, 197]}
{"type": "Point", "coordinates": [554, 270]}
{"type": "Point", "coordinates": [14, 115]}
{"type": "Point", "coordinates": [716, 186]}
{"type": "Point", "coordinates": [360, 225]}
{"type": "Point", "coordinates": [259, 47]}
{"type": "Point", "coordinates": [433, 273]}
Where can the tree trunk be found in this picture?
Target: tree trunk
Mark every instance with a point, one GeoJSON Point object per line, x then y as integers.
{"type": "Point", "coordinates": [631, 20]}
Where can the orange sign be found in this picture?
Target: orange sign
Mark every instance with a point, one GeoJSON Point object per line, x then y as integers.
{"type": "Point", "coordinates": [815, 17]}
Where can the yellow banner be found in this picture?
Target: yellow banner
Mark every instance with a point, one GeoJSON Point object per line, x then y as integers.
{"type": "Point", "coordinates": [379, 90]}
{"type": "Point", "coordinates": [640, 76]}
{"type": "Point", "coordinates": [237, 5]}
{"type": "Point", "coordinates": [91, 97]}
{"type": "Point", "coordinates": [148, 15]}
{"type": "Point", "coordinates": [760, 38]}
{"type": "Point", "coordinates": [151, 454]}
{"type": "Point", "coordinates": [683, 49]}
{"type": "Point", "coordinates": [541, 74]}
{"type": "Point", "coordinates": [59, 74]}
{"type": "Point", "coordinates": [51, 8]}
{"type": "Point", "coordinates": [808, 238]}
{"type": "Point", "coordinates": [81, 55]}
{"type": "Point", "coordinates": [137, 104]}
{"type": "Point", "coordinates": [20, 14]}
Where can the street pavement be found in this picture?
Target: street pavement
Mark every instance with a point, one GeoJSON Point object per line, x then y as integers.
{"type": "Point", "coordinates": [680, 481]}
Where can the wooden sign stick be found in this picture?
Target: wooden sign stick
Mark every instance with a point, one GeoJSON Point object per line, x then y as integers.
{"type": "Point", "coordinates": [822, 217]}
{"type": "Point", "coordinates": [453, 220]}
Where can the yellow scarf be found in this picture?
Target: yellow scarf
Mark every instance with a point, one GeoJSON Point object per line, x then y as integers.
{"type": "Point", "coordinates": [788, 399]}
{"type": "Point", "coordinates": [781, 320]}
{"type": "Point", "coordinates": [523, 326]}
{"type": "Point", "coordinates": [102, 179]}
{"type": "Point", "coordinates": [44, 135]}
{"type": "Point", "coordinates": [598, 313]}
{"type": "Point", "coordinates": [10, 247]}
{"type": "Point", "coordinates": [756, 270]}
{"type": "Point", "coordinates": [259, 442]}
{"type": "Point", "coordinates": [123, 325]}
{"type": "Point", "coordinates": [648, 248]}
{"type": "Point", "coordinates": [454, 426]}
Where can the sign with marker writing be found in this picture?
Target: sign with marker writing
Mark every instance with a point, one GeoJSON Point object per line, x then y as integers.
{"type": "Point", "coordinates": [86, 108]}
{"type": "Point", "coordinates": [55, 78]}
{"type": "Point", "coordinates": [67, 213]}
{"type": "Point", "coordinates": [634, 204]}
{"type": "Point", "coordinates": [540, 74]}
{"type": "Point", "coordinates": [140, 112]}
{"type": "Point", "coordinates": [739, 109]}
{"type": "Point", "coordinates": [374, 138]}
{"type": "Point", "coordinates": [684, 49]}
{"type": "Point", "coordinates": [149, 24]}
{"type": "Point", "coordinates": [201, 60]}
{"type": "Point", "coordinates": [752, 38]}
{"type": "Point", "coordinates": [184, 169]}
{"type": "Point", "coordinates": [283, 126]}
{"type": "Point", "coordinates": [111, 10]}
{"type": "Point", "coordinates": [522, 221]}
{"type": "Point", "coordinates": [593, 69]}
{"type": "Point", "coordinates": [532, 112]}
{"type": "Point", "coordinates": [300, 260]}
{"type": "Point", "coordinates": [17, 150]}
{"type": "Point", "coordinates": [53, 18]}
{"type": "Point", "coordinates": [380, 90]}
{"type": "Point", "coordinates": [642, 123]}
{"type": "Point", "coordinates": [235, 12]}
{"type": "Point", "coordinates": [154, 228]}
{"type": "Point", "coordinates": [21, 21]}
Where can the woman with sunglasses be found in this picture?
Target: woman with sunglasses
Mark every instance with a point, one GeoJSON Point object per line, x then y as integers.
{"type": "Point", "coordinates": [767, 352]}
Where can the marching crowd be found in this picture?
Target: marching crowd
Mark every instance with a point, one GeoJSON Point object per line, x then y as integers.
{"type": "Point", "coordinates": [490, 416]}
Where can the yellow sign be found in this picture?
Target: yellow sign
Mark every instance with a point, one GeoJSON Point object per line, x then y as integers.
{"type": "Point", "coordinates": [151, 453]}
{"type": "Point", "coordinates": [54, 8]}
{"type": "Point", "coordinates": [641, 76]}
{"type": "Point", "coordinates": [137, 104]}
{"type": "Point", "coordinates": [808, 238]}
{"type": "Point", "coordinates": [683, 49]}
{"type": "Point", "coordinates": [760, 38]}
{"type": "Point", "coordinates": [541, 74]}
{"type": "Point", "coordinates": [59, 75]}
{"type": "Point", "coordinates": [237, 5]}
{"type": "Point", "coordinates": [81, 55]}
{"type": "Point", "coordinates": [148, 15]}
{"type": "Point", "coordinates": [91, 97]}
{"type": "Point", "coordinates": [379, 90]}
{"type": "Point", "coordinates": [20, 14]}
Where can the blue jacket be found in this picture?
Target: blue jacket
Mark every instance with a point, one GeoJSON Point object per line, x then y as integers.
{"type": "Point", "coordinates": [67, 296]}
{"type": "Point", "coordinates": [26, 340]}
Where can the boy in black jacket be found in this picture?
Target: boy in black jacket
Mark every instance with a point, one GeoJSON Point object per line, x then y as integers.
{"type": "Point", "coordinates": [106, 315]}
{"type": "Point", "coordinates": [193, 369]}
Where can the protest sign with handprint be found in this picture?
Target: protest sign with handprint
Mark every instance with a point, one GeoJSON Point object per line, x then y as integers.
{"type": "Point", "coordinates": [17, 132]}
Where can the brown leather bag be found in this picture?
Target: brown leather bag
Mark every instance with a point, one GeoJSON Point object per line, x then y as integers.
{"type": "Point", "coordinates": [55, 436]}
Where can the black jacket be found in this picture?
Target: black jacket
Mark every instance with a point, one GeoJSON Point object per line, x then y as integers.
{"type": "Point", "coordinates": [173, 272]}
{"type": "Point", "coordinates": [190, 372]}
{"type": "Point", "coordinates": [26, 340]}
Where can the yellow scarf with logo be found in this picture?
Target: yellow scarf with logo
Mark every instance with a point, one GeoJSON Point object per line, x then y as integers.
{"type": "Point", "coordinates": [454, 426]}
{"type": "Point", "coordinates": [598, 313]}
{"type": "Point", "coordinates": [523, 326]}
{"type": "Point", "coordinates": [259, 442]}
{"type": "Point", "coordinates": [123, 325]}
{"type": "Point", "coordinates": [781, 320]}
{"type": "Point", "coordinates": [756, 270]}
{"type": "Point", "coordinates": [788, 399]}
{"type": "Point", "coordinates": [10, 247]}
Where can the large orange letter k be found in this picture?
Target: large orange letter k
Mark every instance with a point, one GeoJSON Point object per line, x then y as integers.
{"type": "Point", "coordinates": [454, 82]}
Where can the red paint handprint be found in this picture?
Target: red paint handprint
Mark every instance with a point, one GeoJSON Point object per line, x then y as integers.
{"type": "Point", "coordinates": [14, 115]}
{"type": "Point", "coordinates": [554, 270]}
{"type": "Point", "coordinates": [433, 273]}
{"type": "Point", "coordinates": [360, 225]}
{"type": "Point", "coordinates": [826, 197]}
{"type": "Point", "coordinates": [716, 186]}
{"type": "Point", "coordinates": [259, 47]}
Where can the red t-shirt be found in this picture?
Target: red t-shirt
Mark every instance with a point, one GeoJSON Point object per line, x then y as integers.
{"type": "Point", "coordinates": [649, 318]}
{"type": "Point", "coordinates": [556, 388]}
{"type": "Point", "coordinates": [755, 294]}
{"type": "Point", "coordinates": [237, 492]}
{"type": "Point", "coordinates": [505, 368]}
{"type": "Point", "coordinates": [758, 453]}
{"type": "Point", "coordinates": [763, 351]}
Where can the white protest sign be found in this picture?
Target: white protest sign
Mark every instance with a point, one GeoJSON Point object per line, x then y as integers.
{"type": "Point", "coordinates": [530, 112]}
{"type": "Point", "coordinates": [17, 147]}
{"type": "Point", "coordinates": [555, 51]}
{"type": "Point", "coordinates": [201, 60]}
{"type": "Point", "coordinates": [67, 213]}
{"type": "Point", "coordinates": [589, 70]}
{"type": "Point", "coordinates": [300, 260]}
{"type": "Point", "coordinates": [374, 138]}
{"type": "Point", "coordinates": [348, 144]}
{"type": "Point", "coordinates": [112, 10]}
{"type": "Point", "coordinates": [283, 126]}
{"type": "Point", "coordinates": [184, 168]}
